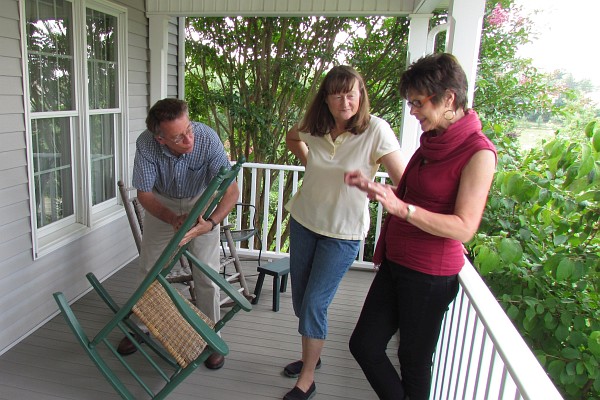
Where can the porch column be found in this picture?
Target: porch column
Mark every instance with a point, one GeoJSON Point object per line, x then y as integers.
{"type": "Point", "coordinates": [465, 19]}
{"type": "Point", "coordinates": [158, 38]}
{"type": "Point", "coordinates": [417, 48]}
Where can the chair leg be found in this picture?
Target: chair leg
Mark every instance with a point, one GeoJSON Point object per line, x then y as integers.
{"type": "Point", "coordinates": [258, 288]}
{"type": "Point", "coordinates": [283, 287]}
{"type": "Point", "coordinates": [236, 263]}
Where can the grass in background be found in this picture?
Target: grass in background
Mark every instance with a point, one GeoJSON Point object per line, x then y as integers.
{"type": "Point", "coordinates": [532, 134]}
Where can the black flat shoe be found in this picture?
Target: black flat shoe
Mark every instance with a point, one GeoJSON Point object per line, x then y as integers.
{"type": "Point", "coordinates": [215, 361]}
{"type": "Point", "coordinates": [292, 370]}
{"type": "Point", "coordinates": [297, 394]}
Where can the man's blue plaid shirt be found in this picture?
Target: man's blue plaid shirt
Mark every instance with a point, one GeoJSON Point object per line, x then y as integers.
{"type": "Point", "coordinates": [180, 177]}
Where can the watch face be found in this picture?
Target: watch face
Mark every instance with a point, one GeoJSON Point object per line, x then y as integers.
{"type": "Point", "coordinates": [410, 210]}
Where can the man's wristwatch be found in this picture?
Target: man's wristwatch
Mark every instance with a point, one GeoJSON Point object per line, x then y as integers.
{"type": "Point", "coordinates": [411, 210]}
{"type": "Point", "coordinates": [212, 222]}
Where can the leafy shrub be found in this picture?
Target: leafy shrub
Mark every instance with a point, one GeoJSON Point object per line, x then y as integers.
{"type": "Point", "coordinates": [539, 251]}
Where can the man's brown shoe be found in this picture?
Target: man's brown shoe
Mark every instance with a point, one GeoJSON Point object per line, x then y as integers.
{"type": "Point", "coordinates": [126, 347]}
{"type": "Point", "coordinates": [214, 361]}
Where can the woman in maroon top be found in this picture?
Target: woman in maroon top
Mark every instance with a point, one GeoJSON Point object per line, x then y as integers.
{"type": "Point", "coordinates": [435, 209]}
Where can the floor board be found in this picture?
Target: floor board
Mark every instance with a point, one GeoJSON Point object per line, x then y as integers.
{"type": "Point", "coordinates": [50, 365]}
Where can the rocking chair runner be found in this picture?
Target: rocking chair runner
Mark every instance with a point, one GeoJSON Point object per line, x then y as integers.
{"type": "Point", "coordinates": [181, 334]}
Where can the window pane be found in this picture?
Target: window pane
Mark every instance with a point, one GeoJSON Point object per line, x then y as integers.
{"type": "Point", "coordinates": [102, 59]}
{"type": "Point", "coordinates": [50, 55]}
{"type": "Point", "coordinates": [52, 169]}
{"type": "Point", "coordinates": [102, 145]}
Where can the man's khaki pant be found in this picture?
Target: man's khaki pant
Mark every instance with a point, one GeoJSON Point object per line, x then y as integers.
{"type": "Point", "coordinates": [205, 247]}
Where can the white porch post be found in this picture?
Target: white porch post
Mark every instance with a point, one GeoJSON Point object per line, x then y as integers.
{"type": "Point", "coordinates": [158, 31]}
{"type": "Point", "coordinates": [417, 48]}
{"type": "Point", "coordinates": [465, 19]}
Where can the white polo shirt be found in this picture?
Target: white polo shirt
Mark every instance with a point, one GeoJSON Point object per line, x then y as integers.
{"type": "Point", "coordinates": [324, 203]}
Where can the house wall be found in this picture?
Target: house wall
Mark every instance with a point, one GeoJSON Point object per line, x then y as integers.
{"type": "Point", "coordinates": [27, 285]}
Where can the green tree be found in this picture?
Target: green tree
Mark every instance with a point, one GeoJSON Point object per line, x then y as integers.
{"type": "Point", "coordinates": [508, 87]}
{"type": "Point", "coordinates": [250, 79]}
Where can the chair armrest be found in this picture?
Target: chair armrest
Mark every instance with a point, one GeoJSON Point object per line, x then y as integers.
{"type": "Point", "coordinates": [220, 281]}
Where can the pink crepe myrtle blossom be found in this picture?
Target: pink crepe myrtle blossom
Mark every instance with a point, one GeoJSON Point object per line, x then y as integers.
{"type": "Point", "coordinates": [498, 16]}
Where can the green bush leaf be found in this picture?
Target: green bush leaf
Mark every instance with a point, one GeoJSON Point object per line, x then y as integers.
{"type": "Point", "coordinates": [510, 250]}
{"type": "Point", "coordinates": [561, 333]}
{"type": "Point", "coordinates": [549, 321]}
{"type": "Point", "coordinates": [596, 140]}
{"type": "Point", "coordinates": [556, 367]}
{"type": "Point", "coordinates": [565, 269]}
{"type": "Point", "coordinates": [487, 260]}
{"type": "Point", "coordinates": [530, 313]}
{"type": "Point", "coordinates": [560, 239]}
{"type": "Point", "coordinates": [587, 161]}
{"type": "Point", "coordinates": [594, 343]}
{"type": "Point", "coordinates": [512, 312]}
{"type": "Point", "coordinates": [590, 128]}
{"type": "Point", "coordinates": [570, 353]}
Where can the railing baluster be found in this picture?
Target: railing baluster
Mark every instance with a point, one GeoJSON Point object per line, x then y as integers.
{"type": "Point", "coordinates": [280, 205]}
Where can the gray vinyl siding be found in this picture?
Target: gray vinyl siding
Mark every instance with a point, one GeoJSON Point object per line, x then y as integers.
{"type": "Point", "coordinates": [15, 224]}
{"type": "Point", "coordinates": [26, 285]}
{"type": "Point", "coordinates": [139, 76]}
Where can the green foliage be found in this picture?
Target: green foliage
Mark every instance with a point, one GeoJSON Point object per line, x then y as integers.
{"type": "Point", "coordinates": [539, 251]}
{"type": "Point", "coordinates": [250, 78]}
{"type": "Point", "coordinates": [508, 87]}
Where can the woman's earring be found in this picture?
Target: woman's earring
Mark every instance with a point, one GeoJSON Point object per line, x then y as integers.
{"type": "Point", "coordinates": [449, 115]}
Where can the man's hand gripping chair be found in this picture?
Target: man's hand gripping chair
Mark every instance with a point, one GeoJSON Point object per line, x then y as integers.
{"type": "Point", "coordinates": [181, 335]}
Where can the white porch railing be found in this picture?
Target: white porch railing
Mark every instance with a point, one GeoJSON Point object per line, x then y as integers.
{"type": "Point", "coordinates": [480, 354]}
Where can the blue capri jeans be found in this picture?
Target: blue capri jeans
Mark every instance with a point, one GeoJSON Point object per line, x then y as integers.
{"type": "Point", "coordinates": [317, 265]}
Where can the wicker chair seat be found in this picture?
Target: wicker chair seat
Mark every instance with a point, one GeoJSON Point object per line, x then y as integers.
{"type": "Point", "coordinates": [157, 311]}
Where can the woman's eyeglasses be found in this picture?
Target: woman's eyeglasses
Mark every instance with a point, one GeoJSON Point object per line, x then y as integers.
{"type": "Point", "coordinates": [419, 103]}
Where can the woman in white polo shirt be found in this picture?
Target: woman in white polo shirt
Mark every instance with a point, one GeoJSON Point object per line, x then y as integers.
{"type": "Point", "coordinates": [328, 217]}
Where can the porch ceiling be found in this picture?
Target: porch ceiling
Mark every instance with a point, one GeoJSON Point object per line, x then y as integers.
{"type": "Point", "coordinates": [204, 8]}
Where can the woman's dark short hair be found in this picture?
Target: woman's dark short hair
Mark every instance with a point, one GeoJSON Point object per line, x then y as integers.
{"type": "Point", "coordinates": [319, 121]}
{"type": "Point", "coordinates": [434, 74]}
{"type": "Point", "coordinates": [165, 110]}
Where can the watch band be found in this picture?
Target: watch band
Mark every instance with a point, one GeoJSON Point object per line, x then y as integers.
{"type": "Point", "coordinates": [212, 222]}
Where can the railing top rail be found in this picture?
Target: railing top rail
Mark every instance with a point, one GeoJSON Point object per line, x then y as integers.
{"type": "Point", "coordinates": [290, 168]}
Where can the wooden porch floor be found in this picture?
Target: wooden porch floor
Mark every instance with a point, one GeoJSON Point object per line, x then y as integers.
{"type": "Point", "coordinates": [50, 364]}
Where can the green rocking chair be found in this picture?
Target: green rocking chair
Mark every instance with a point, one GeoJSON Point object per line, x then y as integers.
{"type": "Point", "coordinates": [182, 337]}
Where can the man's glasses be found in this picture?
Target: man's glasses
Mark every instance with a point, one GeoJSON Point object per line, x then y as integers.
{"type": "Point", "coordinates": [419, 103]}
{"type": "Point", "coordinates": [179, 138]}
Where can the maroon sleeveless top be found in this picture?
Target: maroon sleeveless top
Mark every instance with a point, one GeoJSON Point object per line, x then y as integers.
{"type": "Point", "coordinates": [431, 181]}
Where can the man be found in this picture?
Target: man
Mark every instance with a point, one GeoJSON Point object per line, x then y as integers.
{"type": "Point", "coordinates": [175, 160]}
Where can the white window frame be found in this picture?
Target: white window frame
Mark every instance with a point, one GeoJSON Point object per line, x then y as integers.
{"type": "Point", "coordinates": [86, 217]}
